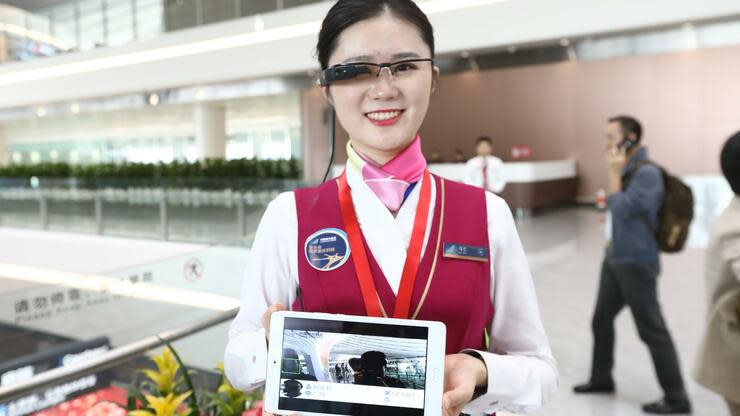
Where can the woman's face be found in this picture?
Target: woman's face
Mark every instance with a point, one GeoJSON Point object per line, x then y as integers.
{"type": "Point", "coordinates": [382, 115]}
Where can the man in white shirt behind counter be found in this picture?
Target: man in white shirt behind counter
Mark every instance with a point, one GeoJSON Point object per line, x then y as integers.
{"type": "Point", "coordinates": [485, 170]}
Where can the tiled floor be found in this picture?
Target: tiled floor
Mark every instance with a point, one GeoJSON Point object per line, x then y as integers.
{"type": "Point", "coordinates": [565, 249]}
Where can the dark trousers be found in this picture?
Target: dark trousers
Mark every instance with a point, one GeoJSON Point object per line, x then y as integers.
{"type": "Point", "coordinates": [634, 285]}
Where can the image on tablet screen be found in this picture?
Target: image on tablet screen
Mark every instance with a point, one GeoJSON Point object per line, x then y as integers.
{"type": "Point", "coordinates": [352, 368]}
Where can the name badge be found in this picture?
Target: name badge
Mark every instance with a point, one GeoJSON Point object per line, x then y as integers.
{"type": "Point", "coordinates": [327, 249]}
{"type": "Point", "coordinates": [463, 252]}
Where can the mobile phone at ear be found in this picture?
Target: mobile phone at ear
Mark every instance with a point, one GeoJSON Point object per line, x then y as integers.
{"type": "Point", "coordinates": [627, 145]}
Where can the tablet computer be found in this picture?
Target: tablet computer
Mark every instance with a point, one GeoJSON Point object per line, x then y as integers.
{"type": "Point", "coordinates": [323, 364]}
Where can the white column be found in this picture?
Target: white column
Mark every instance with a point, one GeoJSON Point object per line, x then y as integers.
{"type": "Point", "coordinates": [210, 131]}
{"type": "Point", "coordinates": [4, 148]}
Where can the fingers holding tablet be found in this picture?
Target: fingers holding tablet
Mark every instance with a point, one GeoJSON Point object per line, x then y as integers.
{"type": "Point", "coordinates": [463, 373]}
{"type": "Point", "coordinates": [267, 316]}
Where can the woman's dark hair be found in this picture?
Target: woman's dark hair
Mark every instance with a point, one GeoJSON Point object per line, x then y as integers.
{"type": "Point", "coordinates": [730, 161]}
{"type": "Point", "coordinates": [345, 13]}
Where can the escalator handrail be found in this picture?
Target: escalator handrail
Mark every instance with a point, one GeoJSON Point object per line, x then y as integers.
{"type": "Point", "coordinates": [109, 359]}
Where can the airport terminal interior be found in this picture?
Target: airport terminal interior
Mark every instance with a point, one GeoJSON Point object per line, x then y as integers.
{"type": "Point", "coordinates": [141, 141]}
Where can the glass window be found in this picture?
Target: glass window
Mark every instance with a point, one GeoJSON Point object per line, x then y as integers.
{"type": "Point", "coordinates": [91, 24]}
{"type": "Point", "coordinates": [120, 20]}
{"type": "Point", "coordinates": [149, 18]}
{"type": "Point", "coordinates": [295, 143]}
{"type": "Point", "coordinates": [294, 3]}
{"type": "Point", "coordinates": [251, 7]}
{"type": "Point", "coordinates": [238, 146]}
{"type": "Point", "coordinates": [719, 34]}
{"type": "Point", "coordinates": [62, 20]}
{"type": "Point", "coordinates": [37, 23]}
{"type": "Point", "coordinates": [218, 10]}
{"type": "Point", "coordinates": [180, 14]}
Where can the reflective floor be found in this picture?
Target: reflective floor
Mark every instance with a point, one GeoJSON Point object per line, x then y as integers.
{"type": "Point", "coordinates": [565, 249]}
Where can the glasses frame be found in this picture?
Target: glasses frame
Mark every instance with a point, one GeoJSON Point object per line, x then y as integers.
{"type": "Point", "coordinates": [346, 72]}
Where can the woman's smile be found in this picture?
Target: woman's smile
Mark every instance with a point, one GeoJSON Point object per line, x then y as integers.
{"type": "Point", "coordinates": [384, 118]}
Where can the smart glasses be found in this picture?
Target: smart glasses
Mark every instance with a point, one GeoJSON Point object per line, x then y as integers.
{"type": "Point", "coordinates": [359, 71]}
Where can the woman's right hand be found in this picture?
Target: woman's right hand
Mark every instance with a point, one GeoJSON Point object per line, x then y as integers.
{"type": "Point", "coordinates": [268, 315]}
{"type": "Point", "coordinates": [266, 324]}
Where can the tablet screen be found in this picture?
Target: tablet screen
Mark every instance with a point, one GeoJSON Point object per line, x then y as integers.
{"type": "Point", "coordinates": [353, 368]}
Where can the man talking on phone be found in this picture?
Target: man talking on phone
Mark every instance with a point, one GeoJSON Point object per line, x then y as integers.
{"type": "Point", "coordinates": [631, 267]}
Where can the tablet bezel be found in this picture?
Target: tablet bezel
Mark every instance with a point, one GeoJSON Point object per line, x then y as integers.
{"type": "Point", "coordinates": [435, 358]}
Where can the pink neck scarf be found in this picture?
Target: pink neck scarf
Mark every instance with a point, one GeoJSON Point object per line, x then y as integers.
{"type": "Point", "coordinates": [390, 181]}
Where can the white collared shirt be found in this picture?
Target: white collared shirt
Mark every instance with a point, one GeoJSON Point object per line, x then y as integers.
{"type": "Point", "coordinates": [495, 179]}
{"type": "Point", "coordinates": [522, 372]}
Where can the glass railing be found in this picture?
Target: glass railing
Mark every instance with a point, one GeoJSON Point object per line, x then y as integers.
{"type": "Point", "coordinates": [190, 214]}
{"type": "Point", "coordinates": [73, 341]}
{"type": "Point", "coordinates": [95, 378]}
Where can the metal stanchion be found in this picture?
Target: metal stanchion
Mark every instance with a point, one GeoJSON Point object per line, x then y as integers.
{"type": "Point", "coordinates": [240, 215]}
{"type": "Point", "coordinates": [98, 213]}
{"type": "Point", "coordinates": [163, 220]}
{"type": "Point", "coordinates": [44, 212]}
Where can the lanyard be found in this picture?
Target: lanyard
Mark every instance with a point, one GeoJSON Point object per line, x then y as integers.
{"type": "Point", "coordinates": [359, 255]}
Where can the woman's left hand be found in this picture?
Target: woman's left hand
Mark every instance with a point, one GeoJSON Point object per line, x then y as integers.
{"type": "Point", "coordinates": [462, 374]}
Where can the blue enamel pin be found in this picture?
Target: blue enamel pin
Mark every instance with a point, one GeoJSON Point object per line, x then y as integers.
{"type": "Point", "coordinates": [327, 249]}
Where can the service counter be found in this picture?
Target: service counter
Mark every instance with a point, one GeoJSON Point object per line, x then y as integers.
{"type": "Point", "coordinates": [529, 185]}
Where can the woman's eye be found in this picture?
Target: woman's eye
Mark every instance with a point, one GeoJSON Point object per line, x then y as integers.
{"type": "Point", "coordinates": [404, 67]}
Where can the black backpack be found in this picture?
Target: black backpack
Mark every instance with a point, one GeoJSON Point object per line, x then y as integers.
{"type": "Point", "coordinates": [676, 213]}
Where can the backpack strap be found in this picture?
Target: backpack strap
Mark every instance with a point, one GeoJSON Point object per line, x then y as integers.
{"type": "Point", "coordinates": [626, 179]}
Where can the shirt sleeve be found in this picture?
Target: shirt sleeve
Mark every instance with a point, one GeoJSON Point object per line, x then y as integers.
{"type": "Point", "coordinates": [645, 188]}
{"type": "Point", "coordinates": [522, 372]}
{"type": "Point", "coordinates": [268, 280]}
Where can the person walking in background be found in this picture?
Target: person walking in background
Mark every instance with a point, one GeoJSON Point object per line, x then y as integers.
{"type": "Point", "coordinates": [718, 362]}
{"type": "Point", "coordinates": [485, 170]}
{"type": "Point", "coordinates": [631, 267]}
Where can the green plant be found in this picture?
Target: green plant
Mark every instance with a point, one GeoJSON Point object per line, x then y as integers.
{"type": "Point", "coordinates": [176, 172]}
{"type": "Point", "coordinates": [227, 400]}
{"type": "Point", "coordinates": [164, 391]}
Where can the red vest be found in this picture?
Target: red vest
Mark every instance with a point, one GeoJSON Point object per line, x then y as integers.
{"type": "Point", "coordinates": [450, 290]}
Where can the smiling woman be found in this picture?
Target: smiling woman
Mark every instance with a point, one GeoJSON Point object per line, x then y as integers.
{"type": "Point", "coordinates": [400, 241]}
{"type": "Point", "coordinates": [382, 109]}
